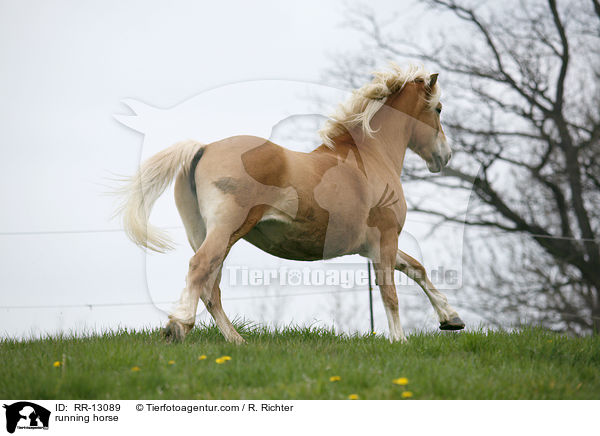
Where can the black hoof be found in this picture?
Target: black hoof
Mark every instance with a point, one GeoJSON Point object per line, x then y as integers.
{"type": "Point", "coordinates": [454, 324]}
{"type": "Point", "coordinates": [173, 332]}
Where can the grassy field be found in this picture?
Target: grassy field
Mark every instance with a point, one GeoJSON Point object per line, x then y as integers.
{"type": "Point", "coordinates": [298, 364]}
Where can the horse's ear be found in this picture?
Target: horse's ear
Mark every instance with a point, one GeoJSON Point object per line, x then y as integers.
{"type": "Point", "coordinates": [432, 80]}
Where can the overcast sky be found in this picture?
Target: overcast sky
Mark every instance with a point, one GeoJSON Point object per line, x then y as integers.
{"type": "Point", "coordinates": [65, 68]}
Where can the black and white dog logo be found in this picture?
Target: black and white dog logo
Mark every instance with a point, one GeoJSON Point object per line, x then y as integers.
{"type": "Point", "coordinates": [26, 415]}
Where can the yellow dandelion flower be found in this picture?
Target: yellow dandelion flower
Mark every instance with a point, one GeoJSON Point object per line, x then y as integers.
{"type": "Point", "coordinates": [374, 333]}
{"type": "Point", "coordinates": [353, 397]}
{"type": "Point", "coordinates": [56, 364]}
{"type": "Point", "coordinates": [222, 359]}
{"type": "Point", "coordinates": [334, 378]}
{"type": "Point", "coordinates": [202, 357]}
{"type": "Point", "coordinates": [171, 362]}
{"type": "Point", "coordinates": [135, 368]}
{"type": "Point", "coordinates": [402, 381]}
{"type": "Point", "coordinates": [407, 394]}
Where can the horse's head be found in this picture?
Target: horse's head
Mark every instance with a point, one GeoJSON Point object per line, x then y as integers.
{"type": "Point", "coordinates": [427, 137]}
{"type": "Point", "coordinates": [398, 104]}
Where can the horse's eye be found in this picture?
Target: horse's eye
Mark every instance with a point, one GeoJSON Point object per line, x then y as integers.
{"type": "Point", "coordinates": [438, 110]}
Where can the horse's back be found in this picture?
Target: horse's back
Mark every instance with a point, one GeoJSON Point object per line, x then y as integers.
{"type": "Point", "coordinates": [260, 159]}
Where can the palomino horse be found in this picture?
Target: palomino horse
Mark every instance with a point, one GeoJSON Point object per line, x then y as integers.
{"type": "Point", "coordinates": [345, 197]}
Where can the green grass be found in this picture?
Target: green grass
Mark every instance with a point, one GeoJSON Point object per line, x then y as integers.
{"type": "Point", "coordinates": [295, 363]}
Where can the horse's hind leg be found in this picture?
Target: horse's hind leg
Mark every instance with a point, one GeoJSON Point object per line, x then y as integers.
{"type": "Point", "coordinates": [449, 319]}
{"type": "Point", "coordinates": [233, 229]}
{"type": "Point", "coordinates": [202, 282]}
{"type": "Point", "coordinates": [213, 304]}
{"type": "Point", "coordinates": [226, 222]}
{"type": "Point", "coordinates": [183, 318]}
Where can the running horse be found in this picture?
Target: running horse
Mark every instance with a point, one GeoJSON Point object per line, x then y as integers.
{"type": "Point", "coordinates": [344, 197]}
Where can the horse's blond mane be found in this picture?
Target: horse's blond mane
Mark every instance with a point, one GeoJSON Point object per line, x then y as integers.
{"type": "Point", "coordinates": [364, 103]}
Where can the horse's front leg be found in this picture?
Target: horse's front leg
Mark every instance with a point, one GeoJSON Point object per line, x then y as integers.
{"type": "Point", "coordinates": [448, 317]}
{"type": "Point", "coordinates": [384, 277]}
{"type": "Point", "coordinates": [382, 247]}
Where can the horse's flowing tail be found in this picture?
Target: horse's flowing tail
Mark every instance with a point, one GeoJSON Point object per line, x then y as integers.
{"type": "Point", "coordinates": [141, 191]}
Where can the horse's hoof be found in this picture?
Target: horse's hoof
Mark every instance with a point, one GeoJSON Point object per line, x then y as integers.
{"type": "Point", "coordinates": [174, 332]}
{"type": "Point", "coordinates": [454, 324]}
{"type": "Point", "coordinates": [239, 341]}
{"type": "Point", "coordinates": [236, 339]}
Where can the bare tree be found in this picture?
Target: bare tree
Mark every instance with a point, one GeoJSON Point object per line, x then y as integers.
{"type": "Point", "coordinates": [522, 94]}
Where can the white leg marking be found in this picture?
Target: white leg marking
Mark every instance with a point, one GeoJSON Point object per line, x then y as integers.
{"type": "Point", "coordinates": [396, 331]}
{"type": "Point", "coordinates": [186, 307]}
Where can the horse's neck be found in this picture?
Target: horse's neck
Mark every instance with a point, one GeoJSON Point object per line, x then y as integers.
{"type": "Point", "coordinates": [378, 150]}
{"type": "Point", "coordinates": [391, 152]}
